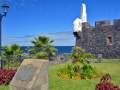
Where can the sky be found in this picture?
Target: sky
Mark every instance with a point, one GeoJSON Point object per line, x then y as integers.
{"type": "Point", "coordinates": [27, 19]}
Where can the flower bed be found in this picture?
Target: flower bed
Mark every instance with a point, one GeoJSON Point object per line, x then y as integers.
{"type": "Point", "coordinates": [6, 76]}
{"type": "Point", "coordinates": [105, 84]}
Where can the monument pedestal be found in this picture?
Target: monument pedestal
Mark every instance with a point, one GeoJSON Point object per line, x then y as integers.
{"type": "Point", "coordinates": [31, 75]}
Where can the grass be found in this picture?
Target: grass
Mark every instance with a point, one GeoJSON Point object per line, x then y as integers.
{"type": "Point", "coordinates": [112, 67]}
{"type": "Point", "coordinates": [4, 87]}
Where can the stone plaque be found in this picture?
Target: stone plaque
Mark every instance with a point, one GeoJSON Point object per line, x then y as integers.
{"type": "Point", "coordinates": [26, 72]}
{"type": "Point", "coordinates": [31, 75]}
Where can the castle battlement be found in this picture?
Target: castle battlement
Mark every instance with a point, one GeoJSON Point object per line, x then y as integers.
{"type": "Point", "coordinates": [117, 22]}
{"type": "Point", "coordinates": [103, 23]}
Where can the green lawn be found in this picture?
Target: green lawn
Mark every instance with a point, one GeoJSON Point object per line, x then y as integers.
{"type": "Point", "coordinates": [4, 88]}
{"type": "Point", "coordinates": [106, 67]}
{"type": "Point", "coordinates": [56, 84]}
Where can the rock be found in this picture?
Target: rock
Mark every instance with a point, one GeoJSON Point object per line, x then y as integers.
{"type": "Point", "coordinates": [103, 38]}
{"type": "Point", "coordinates": [31, 75]}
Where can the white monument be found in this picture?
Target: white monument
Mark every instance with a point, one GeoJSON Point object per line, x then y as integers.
{"type": "Point", "coordinates": [83, 13]}
{"type": "Point", "coordinates": [77, 23]}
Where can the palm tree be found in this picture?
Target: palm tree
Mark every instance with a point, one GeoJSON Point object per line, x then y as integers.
{"type": "Point", "coordinates": [43, 47]}
{"type": "Point", "coordinates": [12, 53]}
{"type": "Point", "coordinates": [7, 54]}
{"type": "Point", "coordinates": [51, 51]}
{"type": "Point", "coordinates": [41, 41]}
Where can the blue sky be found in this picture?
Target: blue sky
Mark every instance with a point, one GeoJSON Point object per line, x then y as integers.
{"type": "Point", "coordinates": [29, 18]}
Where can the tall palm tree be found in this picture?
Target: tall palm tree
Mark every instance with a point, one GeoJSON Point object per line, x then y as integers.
{"type": "Point", "coordinates": [43, 47]}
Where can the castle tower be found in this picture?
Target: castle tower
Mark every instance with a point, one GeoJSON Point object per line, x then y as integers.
{"type": "Point", "coordinates": [77, 24]}
{"type": "Point", "coordinates": [83, 12]}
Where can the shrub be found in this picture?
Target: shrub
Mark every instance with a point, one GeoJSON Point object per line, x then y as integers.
{"type": "Point", "coordinates": [78, 71]}
{"type": "Point", "coordinates": [70, 71]}
{"type": "Point", "coordinates": [88, 71]}
{"type": "Point", "coordinates": [40, 55]}
{"type": "Point", "coordinates": [105, 84]}
{"type": "Point", "coordinates": [6, 76]}
{"type": "Point", "coordinates": [63, 74]}
{"type": "Point", "coordinates": [81, 67]}
{"type": "Point", "coordinates": [80, 55]}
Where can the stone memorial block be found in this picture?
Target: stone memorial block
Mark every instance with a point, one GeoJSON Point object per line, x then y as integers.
{"type": "Point", "coordinates": [31, 75]}
{"type": "Point", "coordinates": [99, 57]}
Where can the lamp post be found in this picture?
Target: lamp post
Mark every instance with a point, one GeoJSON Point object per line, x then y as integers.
{"type": "Point", "coordinates": [5, 8]}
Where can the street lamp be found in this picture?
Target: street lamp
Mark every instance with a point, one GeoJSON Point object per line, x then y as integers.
{"type": "Point", "coordinates": [5, 8]}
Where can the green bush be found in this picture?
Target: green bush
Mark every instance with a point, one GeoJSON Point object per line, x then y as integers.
{"type": "Point", "coordinates": [80, 55]}
{"type": "Point", "coordinates": [40, 55]}
{"type": "Point", "coordinates": [80, 67]}
{"type": "Point", "coordinates": [88, 71]}
{"type": "Point", "coordinates": [70, 70]}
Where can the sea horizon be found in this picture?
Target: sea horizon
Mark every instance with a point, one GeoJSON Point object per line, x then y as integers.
{"type": "Point", "coordinates": [60, 49]}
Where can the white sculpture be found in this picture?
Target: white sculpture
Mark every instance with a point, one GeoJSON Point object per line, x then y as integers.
{"type": "Point", "coordinates": [83, 13]}
{"type": "Point", "coordinates": [77, 24]}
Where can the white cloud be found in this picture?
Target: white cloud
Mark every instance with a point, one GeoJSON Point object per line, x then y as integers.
{"type": "Point", "coordinates": [60, 39]}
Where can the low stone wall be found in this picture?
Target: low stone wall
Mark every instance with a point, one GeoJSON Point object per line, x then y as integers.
{"type": "Point", "coordinates": [60, 59]}
{"type": "Point", "coordinates": [31, 75]}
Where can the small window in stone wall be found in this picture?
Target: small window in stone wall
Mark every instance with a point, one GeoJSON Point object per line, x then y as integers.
{"type": "Point", "coordinates": [109, 40]}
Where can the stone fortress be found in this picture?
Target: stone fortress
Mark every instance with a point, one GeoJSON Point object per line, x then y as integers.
{"type": "Point", "coordinates": [103, 39]}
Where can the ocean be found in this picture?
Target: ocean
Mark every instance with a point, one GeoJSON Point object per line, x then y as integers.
{"type": "Point", "coordinates": [64, 49]}
{"type": "Point", "coordinates": [60, 49]}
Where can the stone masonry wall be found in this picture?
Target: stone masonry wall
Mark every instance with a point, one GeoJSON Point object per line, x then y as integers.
{"type": "Point", "coordinates": [103, 39]}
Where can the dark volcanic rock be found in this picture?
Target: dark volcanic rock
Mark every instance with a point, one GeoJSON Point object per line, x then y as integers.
{"type": "Point", "coordinates": [103, 39]}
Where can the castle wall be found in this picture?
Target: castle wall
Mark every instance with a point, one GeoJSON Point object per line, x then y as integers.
{"type": "Point", "coordinates": [103, 39]}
